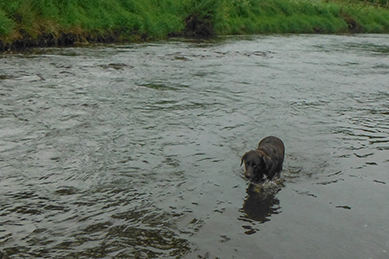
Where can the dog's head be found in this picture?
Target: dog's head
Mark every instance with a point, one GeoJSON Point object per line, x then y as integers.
{"type": "Point", "coordinates": [257, 165]}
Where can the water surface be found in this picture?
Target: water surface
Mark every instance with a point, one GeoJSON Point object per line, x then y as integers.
{"type": "Point", "coordinates": [133, 151]}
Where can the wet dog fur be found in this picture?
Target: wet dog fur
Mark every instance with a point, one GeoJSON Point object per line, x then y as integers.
{"type": "Point", "coordinates": [266, 161]}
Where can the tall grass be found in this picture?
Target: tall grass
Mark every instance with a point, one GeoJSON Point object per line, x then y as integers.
{"type": "Point", "coordinates": [92, 19]}
{"type": "Point", "coordinates": [300, 16]}
{"type": "Point", "coordinates": [284, 16]}
{"type": "Point", "coordinates": [33, 22]}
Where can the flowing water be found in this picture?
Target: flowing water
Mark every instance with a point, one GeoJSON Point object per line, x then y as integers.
{"type": "Point", "coordinates": [133, 151]}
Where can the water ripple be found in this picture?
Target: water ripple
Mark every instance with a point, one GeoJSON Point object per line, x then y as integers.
{"type": "Point", "coordinates": [133, 151]}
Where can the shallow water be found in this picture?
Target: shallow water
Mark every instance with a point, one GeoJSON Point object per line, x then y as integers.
{"type": "Point", "coordinates": [133, 151]}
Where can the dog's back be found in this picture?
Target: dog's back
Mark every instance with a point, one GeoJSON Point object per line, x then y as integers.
{"type": "Point", "coordinates": [274, 148]}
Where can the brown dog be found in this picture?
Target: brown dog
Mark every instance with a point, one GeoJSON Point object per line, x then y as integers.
{"type": "Point", "coordinates": [266, 160]}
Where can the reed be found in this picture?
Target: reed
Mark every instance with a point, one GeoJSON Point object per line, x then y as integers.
{"type": "Point", "coordinates": [47, 22]}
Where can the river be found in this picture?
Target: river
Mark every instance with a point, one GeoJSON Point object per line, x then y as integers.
{"type": "Point", "coordinates": [133, 151]}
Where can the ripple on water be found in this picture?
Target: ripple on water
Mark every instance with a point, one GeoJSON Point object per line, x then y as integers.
{"type": "Point", "coordinates": [134, 151]}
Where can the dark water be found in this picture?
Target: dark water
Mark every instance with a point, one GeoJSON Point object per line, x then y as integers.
{"type": "Point", "coordinates": [133, 151]}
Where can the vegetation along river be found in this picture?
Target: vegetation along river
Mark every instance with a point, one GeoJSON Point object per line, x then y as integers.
{"type": "Point", "coordinates": [133, 151]}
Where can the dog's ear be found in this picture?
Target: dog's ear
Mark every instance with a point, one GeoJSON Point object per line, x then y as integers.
{"type": "Point", "coordinates": [243, 158]}
{"type": "Point", "coordinates": [268, 162]}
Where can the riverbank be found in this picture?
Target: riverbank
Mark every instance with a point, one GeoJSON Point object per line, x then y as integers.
{"type": "Point", "coordinates": [25, 23]}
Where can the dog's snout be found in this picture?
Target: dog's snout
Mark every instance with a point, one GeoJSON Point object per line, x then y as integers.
{"type": "Point", "coordinates": [248, 174]}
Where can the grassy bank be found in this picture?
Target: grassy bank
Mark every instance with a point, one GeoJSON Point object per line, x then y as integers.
{"type": "Point", "coordinates": [59, 22]}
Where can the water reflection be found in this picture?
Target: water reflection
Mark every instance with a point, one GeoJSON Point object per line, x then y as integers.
{"type": "Point", "coordinates": [261, 203]}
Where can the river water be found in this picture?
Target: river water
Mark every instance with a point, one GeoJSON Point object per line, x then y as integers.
{"type": "Point", "coordinates": [133, 151]}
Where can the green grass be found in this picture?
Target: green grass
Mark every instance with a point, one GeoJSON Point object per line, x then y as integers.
{"type": "Point", "coordinates": [286, 16]}
{"type": "Point", "coordinates": [40, 22]}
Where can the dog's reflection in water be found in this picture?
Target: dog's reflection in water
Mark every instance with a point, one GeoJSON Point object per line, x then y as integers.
{"type": "Point", "coordinates": [261, 201]}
